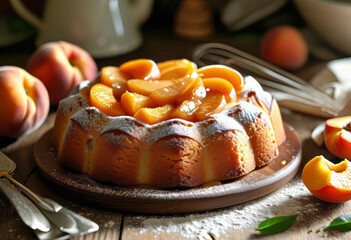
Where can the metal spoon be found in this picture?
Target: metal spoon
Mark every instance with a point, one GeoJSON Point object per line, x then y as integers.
{"type": "Point", "coordinates": [65, 220]}
{"type": "Point", "coordinates": [30, 214]}
{"type": "Point", "coordinates": [27, 211]}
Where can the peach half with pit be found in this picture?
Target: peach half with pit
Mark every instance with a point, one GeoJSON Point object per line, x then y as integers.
{"type": "Point", "coordinates": [337, 136]}
{"type": "Point", "coordinates": [24, 102]}
{"type": "Point", "coordinates": [328, 181]}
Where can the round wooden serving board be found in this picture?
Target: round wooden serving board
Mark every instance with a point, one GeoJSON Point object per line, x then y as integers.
{"type": "Point", "coordinates": [258, 183]}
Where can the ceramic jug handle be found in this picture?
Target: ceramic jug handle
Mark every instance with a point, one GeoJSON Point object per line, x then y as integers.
{"type": "Point", "coordinates": [26, 14]}
{"type": "Point", "coordinates": [141, 10]}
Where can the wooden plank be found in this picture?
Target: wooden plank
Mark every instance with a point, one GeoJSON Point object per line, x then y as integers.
{"type": "Point", "coordinates": [240, 221]}
{"type": "Point", "coordinates": [21, 150]}
{"type": "Point", "coordinates": [11, 226]}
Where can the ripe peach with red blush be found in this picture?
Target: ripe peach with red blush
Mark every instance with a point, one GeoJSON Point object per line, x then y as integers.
{"type": "Point", "coordinates": [61, 66]}
{"type": "Point", "coordinates": [284, 46]}
{"type": "Point", "coordinates": [24, 102]}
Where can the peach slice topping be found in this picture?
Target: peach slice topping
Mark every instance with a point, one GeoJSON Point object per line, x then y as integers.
{"type": "Point", "coordinates": [169, 95]}
{"type": "Point", "coordinates": [162, 66]}
{"type": "Point", "coordinates": [210, 105]}
{"type": "Point", "coordinates": [154, 115]}
{"type": "Point", "coordinates": [101, 97]}
{"type": "Point", "coordinates": [221, 71]}
{"type": "Point", "coordinates": [145, 87]}
{"type": "Point", "coordinates": [175, 69]}
{"type": "Point", "coordinates": [112, 77]}
{"type": "Point", "coordinates": [132, 102]}
{"type": "Point", "coordinates": [195, 91]}
{"type": "Point", "coordinates": [140, 69]}
{"type": "Point", "coordinates": [220, 85]}
{"type": "Point", "coordinates": [186, 110]}
{"type": "Point", "coordinates": [172, 89]}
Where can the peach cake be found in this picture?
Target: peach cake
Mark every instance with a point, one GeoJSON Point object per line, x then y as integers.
{"type": "Point", "coordinates": [169, 124]}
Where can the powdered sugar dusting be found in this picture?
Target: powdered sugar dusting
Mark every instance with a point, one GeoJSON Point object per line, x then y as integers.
{"type": "Point", "coordinates": [222, 123]}
{"type": "Point", "coordinates": [174, 127]}
{"type": "Point", "coordinates": [127, 125]}
{"type": "Point", "coordinates": [72, 104]}
{"type": "Point", "coordinates": [246, 113]}
{"type": "Point", "coordinates": [251, 85]}
{"type": "Point", "coordinates": [90, 118]}
{"type": "Point", "coordinates": [291, 199]}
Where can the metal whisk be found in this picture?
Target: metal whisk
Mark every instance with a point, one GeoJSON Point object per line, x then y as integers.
{"type": "Point", "coordinates": [289, 90]}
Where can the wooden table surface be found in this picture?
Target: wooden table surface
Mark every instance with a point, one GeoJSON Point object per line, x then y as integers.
{"type": "Point", "coordinates": [237, 222]}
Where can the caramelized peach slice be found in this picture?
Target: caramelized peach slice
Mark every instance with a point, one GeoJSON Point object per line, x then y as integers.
{"type": "Point", "coordinates": [221, 71]}
{"type": "Point", "coordinates": [154, 115]}
{"type": "Point", "coordinates": [210, 105]}
{"type": "Point", "coordinates": [220, 85]}
{"type": "Point", "coordinates": [112, 77]}
{"type": "Point", "coordinates": [145, 87]}
{"type": "Point", "coordinates": [132, 102]}
{"type": "Point", "coordinates": [177, 69]}
{"type": "Point", "coordinates": [168, 95]}
{"type": "Point", "coordinates": [186, 110]}
{"type": "Point", "coordinates": [162, 66]}
{"type": "Point", "coordinates": [194, 91]}
{"type": "Point", "coordinates": [101, 97]}
{"type": "Point", "coordinates": [140, 69]}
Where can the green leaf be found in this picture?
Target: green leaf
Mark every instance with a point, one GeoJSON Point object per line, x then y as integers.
{"type": "Point", "coordinates": [276, 224]}
{"type": "Point", "coordinates": [342, 223]}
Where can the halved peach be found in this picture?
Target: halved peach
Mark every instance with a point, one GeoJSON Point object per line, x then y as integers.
{"type": "Point", "coordinates": [101, 97]}
{"type": "Point", "coordinates": [337, 136]}
{"type": "Point", "coordinates": [194, 91]}
{"type": "Point", "coordinates": [186, 110]}
{"type": "Point", "coordinates": [211, 104]}
{"type": "Point", "coordinates": [169, 95]}
{"type": "Point", "coordinates": [220, 85]}
{"type": "Point", "coordinates": [140, 69]}
{"type": "Point", "coordinates": [112, 77]}
{"type": "Point", "coordinates": [221, 71]}
{"type": "Point", "coordinates": [145, 87]}
{"type": "Point", "coordinates": [327, 181]}
{"type": "Point", "coordinates": [132, 102]}
{"type": "Point", "coordinates": [154, 115]}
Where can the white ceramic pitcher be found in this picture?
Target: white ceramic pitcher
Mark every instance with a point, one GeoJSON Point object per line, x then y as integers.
{"type": "Point", "coordinates": [102, 27]}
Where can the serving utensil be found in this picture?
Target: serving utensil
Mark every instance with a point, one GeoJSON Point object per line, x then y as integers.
{"type": "Point", "coordinates": [289, 90]}
{"type": "Point", "coordinates": [49, 219]}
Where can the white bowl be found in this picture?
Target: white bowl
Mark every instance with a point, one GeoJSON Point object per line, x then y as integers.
{"type": "Point", "coordinates": [330, 19]}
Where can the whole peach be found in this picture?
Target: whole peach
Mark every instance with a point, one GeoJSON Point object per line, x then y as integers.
{"type": "Point", "coordinates": [61, 66]}
{"type": "Point", "coordinates": [24, 102]}
{"type": "Point", "coordinates": [285, 47]}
